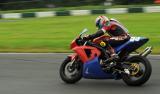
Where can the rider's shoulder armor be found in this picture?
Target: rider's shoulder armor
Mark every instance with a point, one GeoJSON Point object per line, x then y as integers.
{"type": "Point", "coordinates": [112, 19]}
{"type": "Point", "coordinates": [120, 29]}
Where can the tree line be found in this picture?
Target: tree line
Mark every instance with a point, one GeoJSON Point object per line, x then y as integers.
{"type": "Point", "coordinates": [27, 4]}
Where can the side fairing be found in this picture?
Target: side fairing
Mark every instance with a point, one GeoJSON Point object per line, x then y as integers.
{"type": "Point", "coordinates": [84, 56]}
{"type": "Point", "coordinates": [93, 70]}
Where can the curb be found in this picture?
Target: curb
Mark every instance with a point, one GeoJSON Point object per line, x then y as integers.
{"type": "Point", "coordinates": [56, 54]}
{"type": "Point", "coordinates": [149, 9]}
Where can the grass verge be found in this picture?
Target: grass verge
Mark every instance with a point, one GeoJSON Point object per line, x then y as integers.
{"type": "Point", "coordinates": [54, 34]}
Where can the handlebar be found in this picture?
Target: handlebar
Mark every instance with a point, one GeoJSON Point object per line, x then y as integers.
{"type": "Point", "coordinates": [83, 31]}
{"type": "Point", "coordinates": [80, 41]}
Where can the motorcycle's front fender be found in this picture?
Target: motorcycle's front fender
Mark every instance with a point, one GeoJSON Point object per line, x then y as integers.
{"type": "Point", "coordinates": [72, 56]}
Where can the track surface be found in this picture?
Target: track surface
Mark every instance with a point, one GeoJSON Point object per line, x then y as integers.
{"type": "Point", "coordinates": [38, 74]}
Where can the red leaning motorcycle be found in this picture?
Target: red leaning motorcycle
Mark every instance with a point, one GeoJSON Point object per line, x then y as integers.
{"type": "Point", "coordinates": [87, 62]}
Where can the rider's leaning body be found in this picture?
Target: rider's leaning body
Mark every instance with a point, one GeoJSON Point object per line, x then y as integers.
{"type": "Point", "coordinates": [118, 33]}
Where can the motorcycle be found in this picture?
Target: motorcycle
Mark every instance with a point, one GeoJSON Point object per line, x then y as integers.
{"type": "Point", "coordinates": [87, 61]}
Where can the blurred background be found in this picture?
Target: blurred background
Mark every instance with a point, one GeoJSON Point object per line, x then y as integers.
{"type": "Point", "coordinates": [50, 25]}
{"type": "Point", "coordinates": [28, 4]}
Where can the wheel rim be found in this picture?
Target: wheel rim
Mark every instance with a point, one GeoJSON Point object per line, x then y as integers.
{"type": "Point", "coordinates": [70, 70]}
{"type": "Point", "coordinates": [137, 70]}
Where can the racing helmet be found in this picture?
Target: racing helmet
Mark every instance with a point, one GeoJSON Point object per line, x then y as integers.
{"type": "Point", "coordinates": [102, 21]}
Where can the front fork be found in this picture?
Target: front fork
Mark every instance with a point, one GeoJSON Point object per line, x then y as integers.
{"type": "Point", "coordinates": [73, 58]}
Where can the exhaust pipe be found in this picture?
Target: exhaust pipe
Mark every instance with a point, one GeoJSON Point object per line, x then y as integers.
{"type": "Point", "coordinates": [146, 52]}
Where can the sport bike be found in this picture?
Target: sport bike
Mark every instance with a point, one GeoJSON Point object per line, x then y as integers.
{"type": "Point", "coordinates": [87, 61]}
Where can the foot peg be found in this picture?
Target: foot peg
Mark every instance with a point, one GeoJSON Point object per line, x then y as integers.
{"type": "Point", "coordinates": [127, 71]}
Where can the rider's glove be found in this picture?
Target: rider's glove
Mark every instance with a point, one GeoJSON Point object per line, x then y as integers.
{"type": "Point", "coordinates": [86, 38]}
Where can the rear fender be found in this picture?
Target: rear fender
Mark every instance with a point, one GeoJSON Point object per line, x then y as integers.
{"type": "Point", "coordinates": [132, 44]}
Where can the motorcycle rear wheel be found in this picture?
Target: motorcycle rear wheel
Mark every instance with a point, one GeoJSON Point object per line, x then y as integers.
{"type": "Point", "coordinates": [143, 74]}
{"type": "Point", "coordinates": [71, 74]}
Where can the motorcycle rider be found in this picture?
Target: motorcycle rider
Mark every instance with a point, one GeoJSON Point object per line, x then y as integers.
{"type": "Point", "coordinates": [118, 33]}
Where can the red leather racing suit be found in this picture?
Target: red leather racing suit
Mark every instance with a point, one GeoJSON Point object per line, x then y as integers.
{"type": "Point", "coordinates": [118, 35]}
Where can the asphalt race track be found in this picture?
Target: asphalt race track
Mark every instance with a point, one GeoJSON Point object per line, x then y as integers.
{"type": "Point", "coordinates": [39, 74]}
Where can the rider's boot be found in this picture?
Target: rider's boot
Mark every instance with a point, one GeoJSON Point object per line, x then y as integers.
{"type": "Point", "coordinates": [113, 57]}
{"type": "Point", "coordinates": [111, 61]}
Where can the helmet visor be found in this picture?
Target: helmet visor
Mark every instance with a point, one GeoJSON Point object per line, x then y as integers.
{"type": "Point", "coordinates": [107, 23]}
{"type": "Point", "coordinates": [98, 24]}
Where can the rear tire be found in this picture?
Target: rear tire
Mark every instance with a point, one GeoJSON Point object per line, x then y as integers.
{"type": "Point", "coordinates": [74, 78]}
{"type": "Point", "coordinates": [146, 75]}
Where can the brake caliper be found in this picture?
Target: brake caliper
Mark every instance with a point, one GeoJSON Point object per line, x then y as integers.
{"type": "Point", "coordinates": [135, 68]}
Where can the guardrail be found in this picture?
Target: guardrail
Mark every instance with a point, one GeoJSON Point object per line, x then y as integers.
{"type": "Point", "coordinates": [148, 9]}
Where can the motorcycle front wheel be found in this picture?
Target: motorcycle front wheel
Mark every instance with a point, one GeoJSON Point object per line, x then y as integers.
{"type": "Point", "coordinates": [140, 71]}
{"type": "Point", "coordinates": [71, 71]}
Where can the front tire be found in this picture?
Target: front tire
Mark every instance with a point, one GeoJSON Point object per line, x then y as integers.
{"type": "Point", "coordinates": [144, 75]}
{"type": "Point", "coordinates": [74, 74]}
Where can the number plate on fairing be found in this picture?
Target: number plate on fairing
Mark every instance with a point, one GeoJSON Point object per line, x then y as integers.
{"type": "Point", "coordinates": [135, 39]}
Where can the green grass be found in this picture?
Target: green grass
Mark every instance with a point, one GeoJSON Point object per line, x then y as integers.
{"type": "Point", "coordinates": [89, 7]}
{"type": "Point", "coordinates": [55, 34]}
